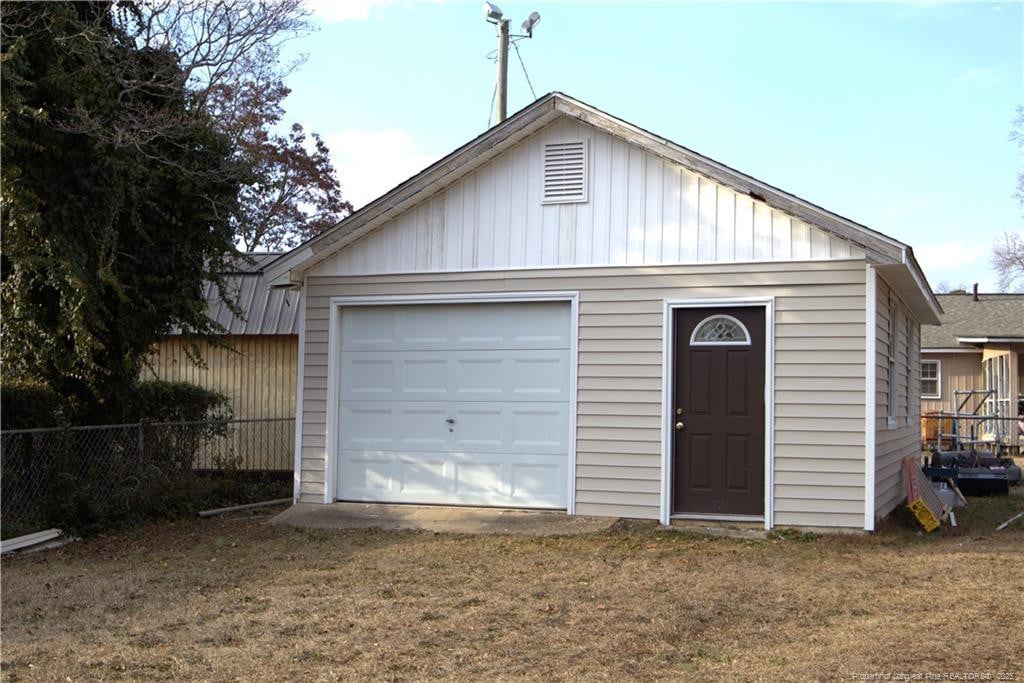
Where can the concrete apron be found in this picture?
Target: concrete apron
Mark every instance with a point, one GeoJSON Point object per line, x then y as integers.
{"type": "Point", "coordinates": [455, 520]}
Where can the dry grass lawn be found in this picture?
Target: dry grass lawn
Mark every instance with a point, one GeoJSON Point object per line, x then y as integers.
{"type": "Point", "coordinates": [236, 599]}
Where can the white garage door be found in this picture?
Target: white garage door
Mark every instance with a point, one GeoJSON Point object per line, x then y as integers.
{"type": "Point", "coordinates": [460, 404]}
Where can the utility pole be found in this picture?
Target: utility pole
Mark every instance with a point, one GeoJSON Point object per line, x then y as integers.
{"type": "Point", "coordinates": [494, 16]}
{"type": "Point", "coordinates": [501, 98]}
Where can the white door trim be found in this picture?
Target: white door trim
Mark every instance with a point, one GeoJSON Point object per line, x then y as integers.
{"type": "Point", "coordinates": [334, 361]}
{"type": "Point", "coordinates": [667, 373]}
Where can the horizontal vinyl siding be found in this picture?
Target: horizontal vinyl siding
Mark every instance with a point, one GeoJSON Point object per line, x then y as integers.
{"type": "Point", "coordinates": [959, 372]}
{"type": "Point", "coordinates": [618, 447]}
{"type": "Point", "coordinates": [892, 444]}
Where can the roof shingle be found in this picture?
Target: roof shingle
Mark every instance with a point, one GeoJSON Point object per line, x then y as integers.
{"type": "Point", "coordinates": [993, 315]}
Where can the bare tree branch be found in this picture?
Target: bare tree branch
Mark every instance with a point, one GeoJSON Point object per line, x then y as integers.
{"type": "Point", "coordinates": [1008, 260]}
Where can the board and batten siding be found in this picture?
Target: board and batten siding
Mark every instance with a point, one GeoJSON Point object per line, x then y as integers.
{"type": "Point", "coordinates": [819, 375]}
{"type": "Point", "coordinates": [257, 372]}
{"type": "Point", "coordinates": [958, 372]}
{"type": "Point", "coordinates": [899, 437]}
{"type": "Point", "coordinates": [643, 210]}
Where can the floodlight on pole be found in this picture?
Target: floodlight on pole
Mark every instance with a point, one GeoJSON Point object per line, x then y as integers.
{"type": "Point", "coordinates": [494, 15]}
{"type": "Point", "coordinates": [530, 22]}
{"type": "Point", "coordinates": [492, 12]}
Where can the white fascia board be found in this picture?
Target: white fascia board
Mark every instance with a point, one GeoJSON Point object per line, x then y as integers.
{"type": "Point", "coordinates": [990, 340]}
{"type": "Point", "coordinates": [943, 349]}
{"type": "Point", "coordinates": [922, 283]}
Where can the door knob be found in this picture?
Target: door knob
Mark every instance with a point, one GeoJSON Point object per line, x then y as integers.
{"type": "Point", "coordinates": [679, 425]}
{"type": "Point", "coordinates": [450, 420]}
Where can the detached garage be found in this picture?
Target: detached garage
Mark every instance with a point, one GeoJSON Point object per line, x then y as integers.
{"type": "Point", "coordinates": [570, 312]}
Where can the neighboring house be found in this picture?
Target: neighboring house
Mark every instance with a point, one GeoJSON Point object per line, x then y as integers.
{"type": "Point", "coordinates": [978, 347]}
{"type": "Point", "coordinates": [257, 365]}
{"type": "Point", "coordinates": [571, 312]}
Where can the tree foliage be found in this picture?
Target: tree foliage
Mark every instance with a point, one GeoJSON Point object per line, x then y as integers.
{"type": "Point", "coordinates": [293, 193]}
{"type": "Point", "coordinates": [1008, 250]}
{"type": "Point", "coordinates": [229, 61]}
{"type": "Point", "coordinates": [1008, 260]}
{"type": "Point", "coordinates": [110, 227]}
{"type": "Point", "coordinates": [131, 131]}
{"type": "Point", "coordinates": [1017, 135]}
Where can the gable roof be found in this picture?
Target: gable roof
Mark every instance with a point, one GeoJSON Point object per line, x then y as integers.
{"type": "Point", "coordinates": [901, 267]}
{"type": "Point", "coordinates": [993, 316]}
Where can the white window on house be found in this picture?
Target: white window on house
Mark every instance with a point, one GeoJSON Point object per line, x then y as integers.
{"type": "Point", "coordinates": [891, 376]}
{"type": "Point", "coordinates": [720, 330]}
{"type": "Point", "coordinates": [931, 378]}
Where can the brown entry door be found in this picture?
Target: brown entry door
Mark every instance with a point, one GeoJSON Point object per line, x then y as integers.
{"type": "Point", "coordinates": [718, 411]}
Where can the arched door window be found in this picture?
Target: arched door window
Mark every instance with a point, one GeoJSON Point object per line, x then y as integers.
{"type": "Point", "coordinates": [720, 330]}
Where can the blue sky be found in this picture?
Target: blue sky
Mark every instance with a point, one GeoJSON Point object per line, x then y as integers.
{"type": "Point", "coordinates": [894, 115]}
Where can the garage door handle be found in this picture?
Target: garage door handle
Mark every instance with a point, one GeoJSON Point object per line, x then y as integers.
{"type": "Point", "coordinates": [450, 420]}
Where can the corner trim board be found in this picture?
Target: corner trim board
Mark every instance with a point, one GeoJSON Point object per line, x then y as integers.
{"type": "Point", "coordinates": [870, 370]}
{"type": "Point", "coordinates": [299, 390]}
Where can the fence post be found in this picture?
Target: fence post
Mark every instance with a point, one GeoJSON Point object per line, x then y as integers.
{"type": "Point", "coordinates": [142, 441]}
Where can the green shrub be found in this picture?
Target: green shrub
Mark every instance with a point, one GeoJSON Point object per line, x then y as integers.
{"type": "Point", "coordinates": [162, 401]}
{"type": "Point", "coordinates": [24, 405]}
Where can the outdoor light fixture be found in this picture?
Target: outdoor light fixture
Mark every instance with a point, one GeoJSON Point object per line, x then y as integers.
{"type": "Point", "coordinates": [492, 12]}
{"type": "Point", "coordinates": [494, 15]}
{"type": "Point", "coordinates": [530, 22]}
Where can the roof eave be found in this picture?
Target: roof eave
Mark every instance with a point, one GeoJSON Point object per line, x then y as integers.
{"type": "Point", "coordinates": [290, 268]}
{"type": "Point", "coordinates": [879, 247]}
{"type": "Point", "coordinates": [990, 340]}
{"type": "Point", "coordinates": [909, 280]}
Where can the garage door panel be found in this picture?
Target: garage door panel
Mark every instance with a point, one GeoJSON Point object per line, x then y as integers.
{"type": "Point", "coordinates": [426, 477]}
{"type": "Point", "coordinates": [541, 377]}
{"type": "Point", "coordinates": [366, 475]}
{"type": "Point", "coordinates": [539, 429]}
{"type": "Point", "coordinates": [503, 375]}
{"type": "Point", "coordinates": [483, 428]}
{"type": "Point", "coordinates": [463, 403]}
{"type": "Point", "coordinates": [420, 378]}
{"type": "Point", "coordinates": [479, 478]}
{"type": "Point", "coordinates": [439, 478]}
{"type": "Point", "coordinates": [370, 378]}
{"type": "Point", "coordinates": [531, 482]}
{"type": "Point", "coordinates": [368, 425]}
{"type": "Point", "coordinates": [367, 329]}
{"type": "Point", "coordinates": [457, 327]}
{"type": "Point", "coordinates": [480, 429]}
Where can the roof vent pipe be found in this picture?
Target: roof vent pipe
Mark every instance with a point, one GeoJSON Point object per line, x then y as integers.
{"type": "Point", "coordinates": [975, 291]}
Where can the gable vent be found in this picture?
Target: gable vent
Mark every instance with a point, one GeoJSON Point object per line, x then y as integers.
{"type": "Point", "coordinates": [565, 172]}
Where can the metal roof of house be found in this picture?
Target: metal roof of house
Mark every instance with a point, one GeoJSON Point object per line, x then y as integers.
{"type": "Point", "coordinates": [993, 316]}
{"type": "Point", "coordinates": [265, 309]}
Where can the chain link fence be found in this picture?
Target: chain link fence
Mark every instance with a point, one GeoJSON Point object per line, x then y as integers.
{"type": "Point", "coordinates": [86, 479]}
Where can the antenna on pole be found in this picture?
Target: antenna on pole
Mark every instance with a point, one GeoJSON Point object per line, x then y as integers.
{"type": "Point", "coordinates": [494, 15]}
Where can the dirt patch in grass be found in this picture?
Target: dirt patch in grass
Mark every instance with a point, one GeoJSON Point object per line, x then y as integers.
{"type": "Point", "coordinates": [235, 599]}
